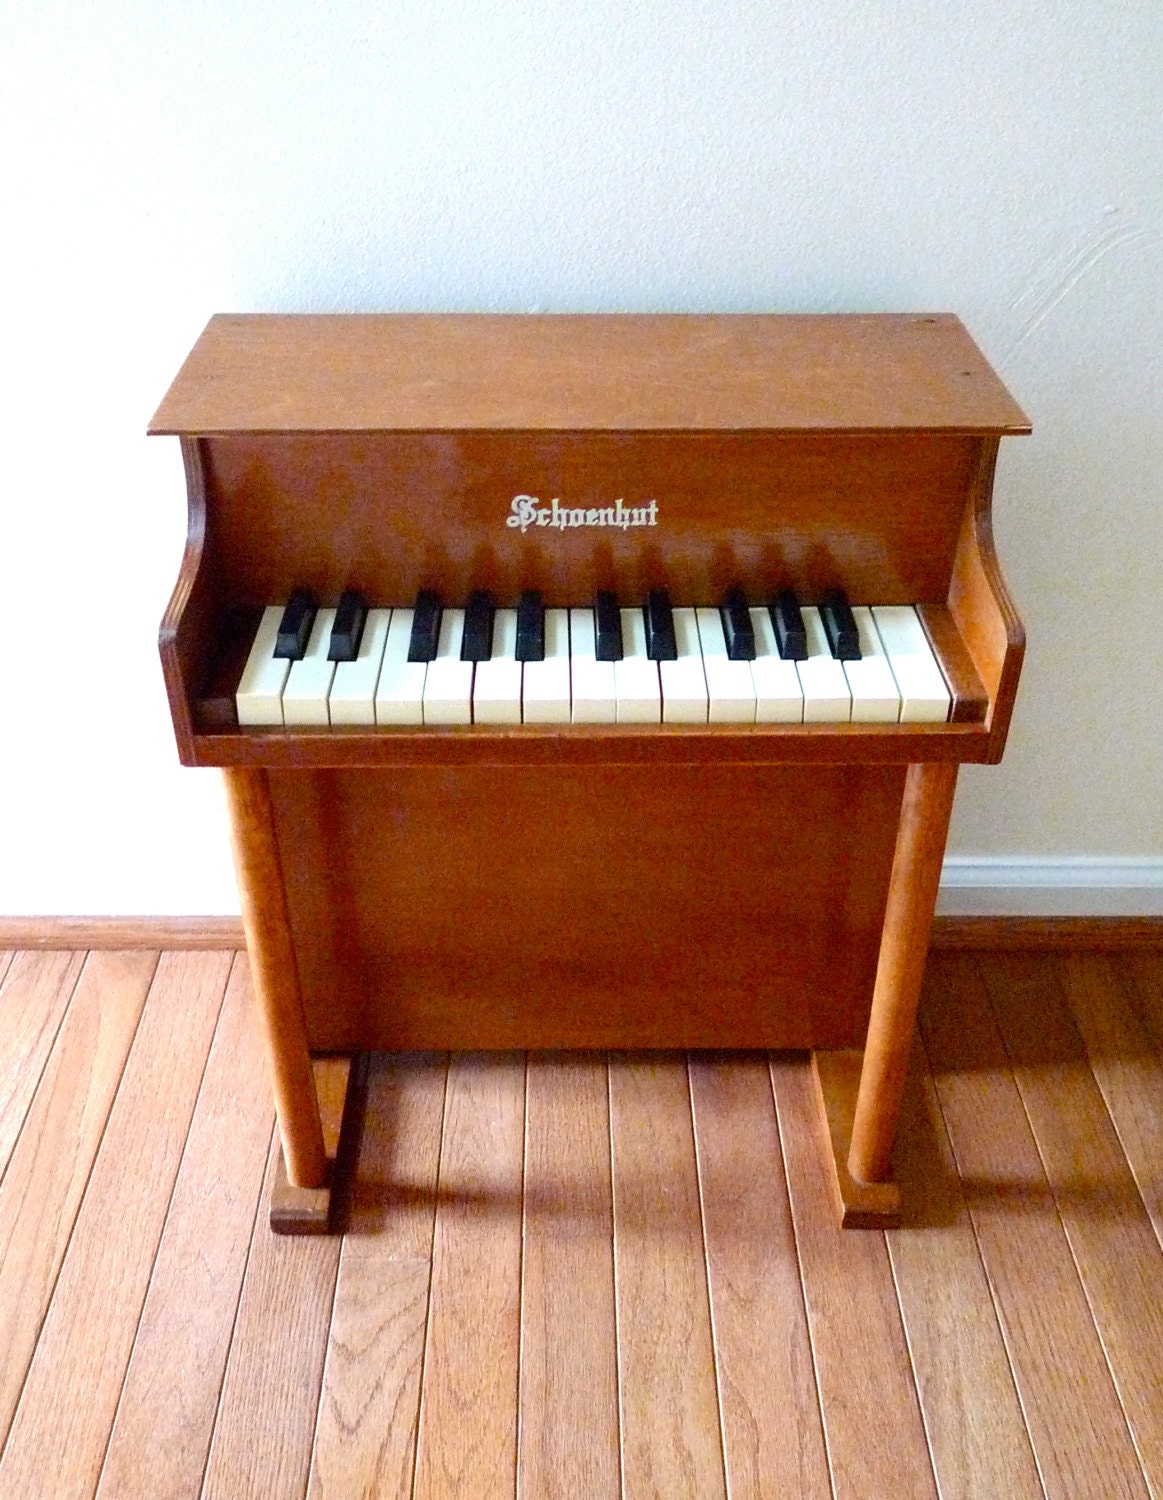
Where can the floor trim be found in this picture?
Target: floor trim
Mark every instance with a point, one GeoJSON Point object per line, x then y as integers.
{"type": "Point", "coordinates": [226, 932]}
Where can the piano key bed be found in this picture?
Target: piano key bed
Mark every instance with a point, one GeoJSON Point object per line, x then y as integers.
{"type": "Point", "coordinates": [425, 665]}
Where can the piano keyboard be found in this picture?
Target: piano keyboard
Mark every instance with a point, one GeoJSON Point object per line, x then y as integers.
{"type": "Point", "coordinates": [735, 664]}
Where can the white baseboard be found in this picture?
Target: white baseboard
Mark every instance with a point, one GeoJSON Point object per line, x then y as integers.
{"type": "Point", "coordinates": [973, 887]}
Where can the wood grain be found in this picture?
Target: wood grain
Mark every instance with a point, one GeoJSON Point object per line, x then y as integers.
{"type": "Point", "coordinates": [216, 933]}
{"type": "Point", "coordinates": [161, 1433]}
{"type": "Point", "coordinates": [973, 1418]}
{"type": "Point", "coordinates": [875, 1436]}
{"type": "Point", "coordinates": [1118, 1258]}
{"type": "Point", "coordinates": [274, 975]}
{"type": "Point", "coordinates": [904, 944]}
{"type": "Point", "coordinates": [671, 1443]}
{"type": "Point", "coordinates": [569, 1441]}
{"type": "Point", "coordinates": [49, 1169]}
{"type": "Point", "coordinates": [396, 909]}
{"type": "Point", "coordinates": [982, 609]}
{"type": "Point", "coordinates": [1073, 1414]}
{"type": "Point", "coordinates": [5, 960]}
{"type": "Point", "coordinates": [444, 372]}
{"type": "Point", "coordinates": [1126, 1057]}
{"type": "Point", "coordinates": [467, 1443]}
{"type": "Point", "coordinates": [772, 1434]}
{"type": "Point", "coordinates": [1143, 976]}
{"type": "Point", "coordinates": [270, 1395]}
{"type": "Point", "coordinates": [33, 1000]}
{"type": "Point", "coordinates": [121, 933]}
{"type": "Point", "coordinates": [365, 1440]}
{"type": "Point", "coordinates": [57, 1440]}
{"type": "Point", "coordinates": [1043, 933]}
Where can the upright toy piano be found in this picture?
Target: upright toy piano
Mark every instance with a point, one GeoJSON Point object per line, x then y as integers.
{"type": "Point", "coordinates": [589, 682]}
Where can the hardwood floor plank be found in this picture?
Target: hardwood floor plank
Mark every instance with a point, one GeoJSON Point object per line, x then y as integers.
{"type": "Point", "coordinates": [365, 1439]}
{"type": "Point", "coordinates": [1127, 1061]}
{"type": "Point", "coordinates": [58, 1437]}
{"type": "Point", "coordinates": [1115, 1249]}
{"type": "Point", "coordinates": [33, 997]}
{"type": "Point", "coordinates": [162, 1429]}
{"type": "Point", "coordinates": [261, 1447]}
{"type": "Point", "coordinates": [569, 1369]}
{"type": "Point", "coordinates": [671, 1439]}
{"type": "Point", "coordinates": [1143, 974]}
{"type": "Point", "coordinates": [1073, 1415]}
{"type": "Point", "coordinates": [772, 1435]}
{"type": "Point", "coordinates": [872, 1421]}
{"type": "Point", "coordinates": [977, 1433]}
{"type": "Point", "coordinates": [467, 1441]}
{"type": "Point", "coordinates": [45, 1182]}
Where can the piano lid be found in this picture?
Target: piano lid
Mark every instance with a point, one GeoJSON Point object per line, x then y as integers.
{"type": "Point", "coordinates": [456, 372]}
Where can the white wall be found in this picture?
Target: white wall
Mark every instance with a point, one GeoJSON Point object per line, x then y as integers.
{"type": "Point", "coordinates": [164, 161]}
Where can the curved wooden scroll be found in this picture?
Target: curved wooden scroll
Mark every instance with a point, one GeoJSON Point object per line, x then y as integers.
{"type": "Point", "coordinates": [185, 637]}
{"type": "Point", "coordinates": [980, 603]}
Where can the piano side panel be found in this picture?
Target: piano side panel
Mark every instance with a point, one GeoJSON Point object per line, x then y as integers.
{"type": "Point", "coordinates": [188, 637]}
{"type": "Point", "coordinates": [876, 513]}
{"type": "Point", "coordinates": [601, 906]}
{"type": "Point", "coordinates": [980, 603]}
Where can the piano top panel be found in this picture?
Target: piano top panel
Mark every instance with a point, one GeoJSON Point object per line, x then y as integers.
{"type": "Point", "coordinates": [562, 373]}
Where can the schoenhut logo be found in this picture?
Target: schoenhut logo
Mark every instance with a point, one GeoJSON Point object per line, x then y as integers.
{"type": "Point", "coordinates": [527, 510]}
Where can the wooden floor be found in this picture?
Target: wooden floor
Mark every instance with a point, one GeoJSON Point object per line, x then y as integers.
{"type": "Point", "coordinates": [581, 1276]}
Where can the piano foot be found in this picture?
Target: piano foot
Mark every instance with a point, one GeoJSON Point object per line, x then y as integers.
{"type": "Point", "coordinates": [321, 1210]}
{"type": "Point", "coordinates": [861, 1205]}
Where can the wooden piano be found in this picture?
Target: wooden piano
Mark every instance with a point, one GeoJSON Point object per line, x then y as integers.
{"type": "Point", "coordinates": [590, 884]}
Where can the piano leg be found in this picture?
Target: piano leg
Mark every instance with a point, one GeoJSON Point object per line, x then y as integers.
{"type": "Point", "coordinates": [860, 1096]}
{"type": "Point", "coordinates": [301, 1199]}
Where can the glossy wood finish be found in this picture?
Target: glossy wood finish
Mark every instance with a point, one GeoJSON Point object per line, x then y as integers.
{"type": "Point", "coordinates": [441, 909]}
{"type": "Point", "coordinates": [624, 887]}
{"type": "Point", "coordinates": [311, 1210]}
{"type": "Point", "coordinates": [859, 1205]}
{"type": "Point", "coordinates": [912, 896]}
{"type": "Point", "coordinates": [69, 1396]}
{"type": "Point", "coordinates": [907, 1360]}
{"type": "Point", "coordinates": [258, 863]}
{"type": "Point", "coordinates": [639, 373]}
{"type": "Point", "coordinates": [215, 933]}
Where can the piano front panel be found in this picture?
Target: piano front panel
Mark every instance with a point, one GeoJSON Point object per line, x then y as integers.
{"type": "Point", "coordinates": [593, 906]}
{"type": "Point", "coordinates": [875, 514]}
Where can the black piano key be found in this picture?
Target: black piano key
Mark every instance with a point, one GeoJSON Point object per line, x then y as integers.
{"type": "Point", "coordinates": [790, 635]}
{"type": "Point", "coordinates": [607, 627]}
{"type": "Point", "coordinates": [347, 632]}
{"type": "Point", "coordinates": [477, 642]}
{"type": "Point", "coordinates": [295, 626]}
{"type": "Point", "coordinates": [530, 627]}
{"type": "Point", "coordinates": [840, 626]}
{"type": "Point", "coordinates": [737, 628]}
{"type": "Point", "coordinates": [660, 642]}
{"type": "Point", "coordinates": [425, 637]}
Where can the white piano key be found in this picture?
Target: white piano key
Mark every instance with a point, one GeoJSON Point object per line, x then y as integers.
{"type": "Point", "coordinates": [730, 685]}
{"type": "Point", "coordinates": [545, 686]}
{"type": "Point", "coordinates": [875, 699]}
{"type": "Point", "coordinates": [779, 699]}
{"type": "Point", "coordinates": [924, 696]}
{"type": "Point", "coordinates": [684, 683]}
{"type": "Point", "coordinates": [259, 697]}
{"type": "Point", "coordinates": [353, 688]}
{"type": "Point", "coordinates": [400, 690]}
{"type": "Point", "coordinates": [826, 696]}
{"type": "Point", "coordinates": [496, 688]}
{"type": "Point", "coordinates": [448, 683]}
{"type": "Point", "coordinates": [636, 686]}
{"type": "Point", "coordinates": [309, 680]}
{"type": "Point", "coordinates": [592, 682]}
